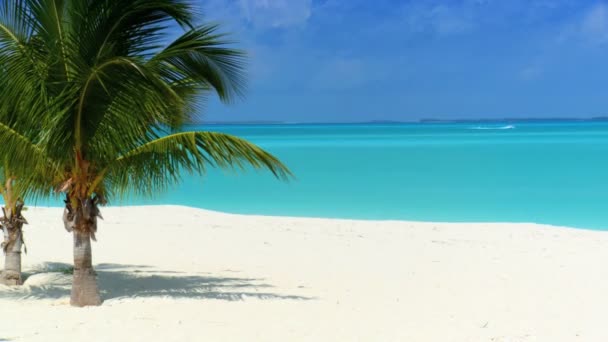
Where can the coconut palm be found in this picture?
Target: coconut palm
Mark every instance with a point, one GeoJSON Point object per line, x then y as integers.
{"type": "Point", "coordinates": [107, 98]}
{"type": "Point", "coordinates": [12, 221]}
{"type": "Point", "coordinates": [11, 224]}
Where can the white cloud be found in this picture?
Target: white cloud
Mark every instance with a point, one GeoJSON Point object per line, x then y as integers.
{"type": "Point", "coordinates": [442, 19]}
{"type": "Point", "coordinates": [276, 13]}
{"type": "Point", "coordinates": [260, 14]}
{"type": "Point", "coordinates": [589, 27]}
{"type": "Point", "coordinates": [347, 73]}
{"type": "Point", "coordinates": [594, 26]}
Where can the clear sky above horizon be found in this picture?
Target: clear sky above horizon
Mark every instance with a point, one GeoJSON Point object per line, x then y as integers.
{"type": "Point", "coordinates": [359, 60]}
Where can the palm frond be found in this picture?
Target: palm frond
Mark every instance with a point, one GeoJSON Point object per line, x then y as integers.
{"type": "Point", "coordinates": [21, 148]}
{"type": "Point", "coordinates": [26, 162]}
{"type": "Point", "coordinates": [108, 28]}
{"type": "Point", "coordinates": [14, 22]}
{"type": "Point", "coordinates": [158, 164]}
{"type": "Point", "coordinates": [89, 96]}
{"type": "Point", "coordinates": [203, 58]}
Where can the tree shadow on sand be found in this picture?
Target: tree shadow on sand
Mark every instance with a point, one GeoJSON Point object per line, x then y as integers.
{"type": "Point", "coordinates": [53, 280]}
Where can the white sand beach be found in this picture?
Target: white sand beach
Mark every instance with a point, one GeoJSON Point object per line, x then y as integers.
{"type": "Point", "coordinates": [170, 273]}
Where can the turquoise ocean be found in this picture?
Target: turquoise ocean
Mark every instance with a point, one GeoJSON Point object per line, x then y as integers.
{"type": "Point", "coordinates": [549, 172]}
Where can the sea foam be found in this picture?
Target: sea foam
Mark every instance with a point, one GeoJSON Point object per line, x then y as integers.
{"type": "Point", "coordinates": [494, 127]}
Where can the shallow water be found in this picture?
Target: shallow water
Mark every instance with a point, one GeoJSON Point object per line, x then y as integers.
{"type": "Point", "coordinates": [554, 173]}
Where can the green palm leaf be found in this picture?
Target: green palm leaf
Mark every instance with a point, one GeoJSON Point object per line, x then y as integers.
{"type": "Point", "coordinates": [202, 57]}
{"type": "Point", "coordinates": [89, 85]}
{"type": "Point", "coordinates": [157, 164]}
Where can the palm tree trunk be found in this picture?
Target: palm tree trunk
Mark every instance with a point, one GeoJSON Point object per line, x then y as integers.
{"type": "Point", "coordinates": [12, 262]}
{"type": "Point", "coordinates": [11, 224]}
{"type": "Point", "coordinates": [82, 223]}
{"type": "Point", "coordinates": [84, 286]}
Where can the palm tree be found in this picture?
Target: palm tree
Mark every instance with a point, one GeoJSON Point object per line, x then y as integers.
{"type": "Point", "coordinates": [12, 221]}
{"type": "Point", "coordinates": [107, 99]}
{"type": "Point", "coordinates": [11, 224]}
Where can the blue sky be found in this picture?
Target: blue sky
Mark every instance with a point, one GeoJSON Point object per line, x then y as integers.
{"type": "Point", "coordinates": [358, 60]}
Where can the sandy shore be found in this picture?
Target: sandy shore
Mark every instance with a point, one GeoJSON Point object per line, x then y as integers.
{"type": "Point", "coordinates": [172, 273]}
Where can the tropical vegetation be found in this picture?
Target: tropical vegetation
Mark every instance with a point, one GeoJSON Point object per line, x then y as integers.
{"type": "Point", "coordinates": [11, 224]}
{"type": "Point", "coordinates": [103, 93]}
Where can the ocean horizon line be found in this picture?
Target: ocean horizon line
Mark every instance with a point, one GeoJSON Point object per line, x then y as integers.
{"type": "Point", "coordinates": [404, 122]}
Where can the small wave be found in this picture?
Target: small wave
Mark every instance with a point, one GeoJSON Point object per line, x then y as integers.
{"type": "Point", "coordinates": [494, 127]}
